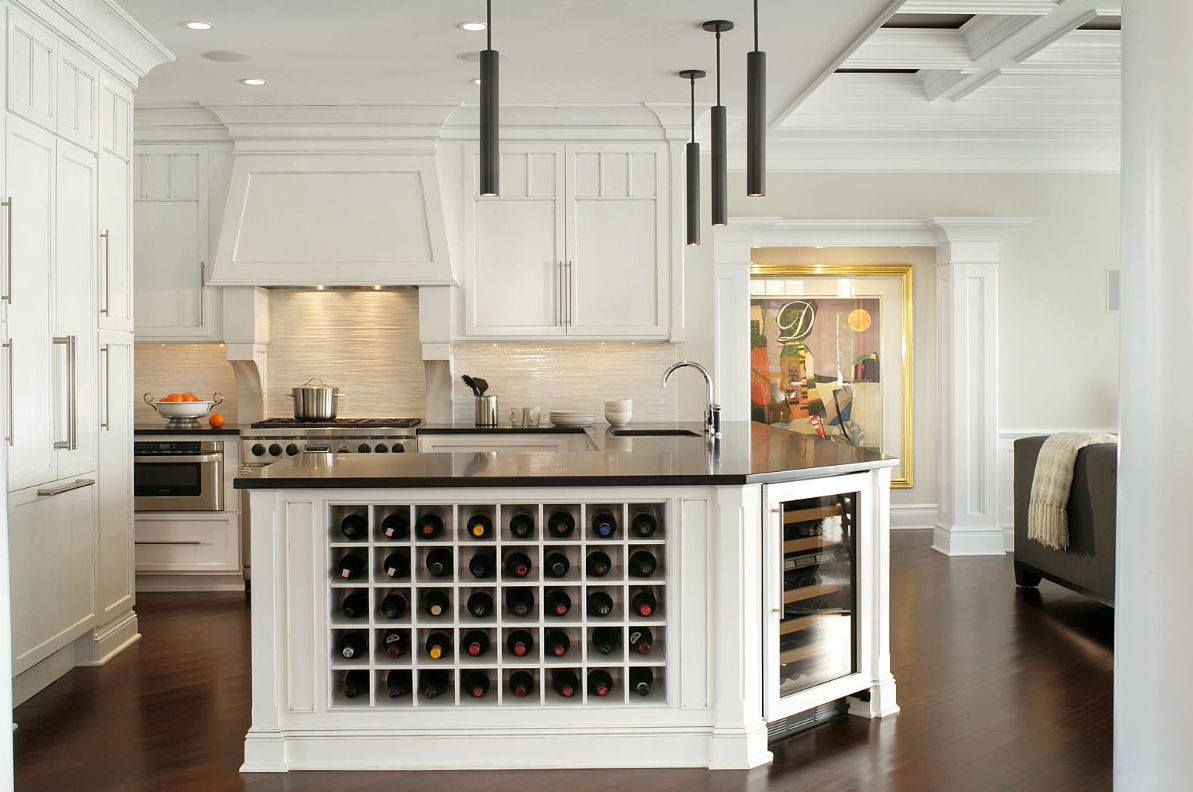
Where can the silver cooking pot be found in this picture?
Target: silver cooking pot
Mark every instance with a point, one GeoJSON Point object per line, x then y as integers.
{"type": "Point", "coordinates": [315, 400]}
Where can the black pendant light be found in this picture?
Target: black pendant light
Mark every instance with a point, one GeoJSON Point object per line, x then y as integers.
{"type": "Point", "coordinates": [693, 152]}
{"type": "Point", "coordinates": [490, 164]}
{"type": "Point", "coordinates": [756, 117]}
{"type": "Point", "coordinates": [720, 160]}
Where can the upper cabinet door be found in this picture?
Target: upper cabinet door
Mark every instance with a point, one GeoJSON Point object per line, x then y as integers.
{"type": "Point", "coordinates": [618, 244]}
{"type": "Point", "coordinates": [78, 97]}
{"type": "Point", "coordinates": [115, 208]}
{"type": "Point", "coordinates": [514, 271]}
{"type": "Point", "coordinates": [32, 66]}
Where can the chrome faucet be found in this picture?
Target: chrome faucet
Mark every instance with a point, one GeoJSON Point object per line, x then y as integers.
{"type": "Point", "coordinates": [712, 412]}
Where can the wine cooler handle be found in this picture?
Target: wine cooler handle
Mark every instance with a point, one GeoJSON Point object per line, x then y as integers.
{"type": "Point", "coordinates": [7, 296]}
{"type": "Point", "coordinates": [774, 540]}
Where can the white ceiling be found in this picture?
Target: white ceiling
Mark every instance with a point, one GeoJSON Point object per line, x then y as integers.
{"type": "Point", "coordinates": [555, 51]}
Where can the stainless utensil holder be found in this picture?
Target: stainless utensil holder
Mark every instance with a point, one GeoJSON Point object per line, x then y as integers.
{"type": "Point", "coordinates": [486, 410]}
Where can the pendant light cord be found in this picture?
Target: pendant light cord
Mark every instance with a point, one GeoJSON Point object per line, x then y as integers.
{"type": "Point", "coordinates": [755, 25]}
{"type": "Point", "coordinates": [718, 68]}
{"type": "Point", "coordinates": [693, 81]}
{"type": "Point", "coordinates": [489, 23]}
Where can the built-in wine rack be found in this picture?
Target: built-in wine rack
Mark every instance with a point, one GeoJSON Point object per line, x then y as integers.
{"type": "Point", "coordinates": [364, 679]}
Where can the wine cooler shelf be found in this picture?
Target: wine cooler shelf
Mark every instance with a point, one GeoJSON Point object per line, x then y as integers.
{"type": "Point", "coordinates": [484, 605]}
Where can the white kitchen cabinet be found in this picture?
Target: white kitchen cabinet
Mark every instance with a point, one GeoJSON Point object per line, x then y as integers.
{"type": "Point", "coordinates": [579, 244]}
{"type": "Point", "coordinates": [78, 97]}
{"type": "Point", "coordinates": [51, 544]}
{"type": "Point", "coordinates": [114, 546]}
{"type": "Point", "coordinates": [511, 443]}
{"type": "Point", "coordinates": [188, 543]}
{"type": "Point", "coordinates": [32, 70]}
{"type": "Point", "coordinates": [115, 278]}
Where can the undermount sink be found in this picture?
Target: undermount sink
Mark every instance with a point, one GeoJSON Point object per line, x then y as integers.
{"type": "Point", "coordinates": [654, 433]}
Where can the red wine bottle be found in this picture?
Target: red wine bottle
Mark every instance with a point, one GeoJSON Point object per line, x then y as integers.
{"type": "Point", "coordinates": [395, 526]}
{"type": "Point", "coordinates": [435, 603]}
{"type": "Point", "coordinates": [565, 683]}
{"type": "Point", "coordinates": [356, 683]}
{"type": "Point", "coordinates": [433, 683]}
{"type": "Point", "coordinates": [522, 683]}
{"type": "Point", "coordinates": [600, 683]}
{"type": "Point", "coordinates": [396, 643]}
{"type": "Point", "coordinates": [350, 567]}
{"type": "Point", "coordinates": [398, 683]}
{"type": "Point", "coordinates": [641, 680]}
{"type": "Point", "coordinates": [352, 644]}
{"type": "Point", "coordinates": [641, 640]}
{"type": "Point", "coordinates": [439, 645]}
{"type": "Point", "coordinates": [604, 525]}
{"type": "Point", "coordinates": [475, 684]}
{"type": "Point", "coordinates": [430, 526]}
{"type": "Point", "coordinates": [644, 524]}
{"type": "Point", "coordinates": [480, 604]}
{"type": "Point", "coordinates": [519, 602]}
{"type": "Point", "coordinates": [522, 525]}
{"type": "Point", "coordinates": [483, 565]}
{"type": "Point", "coordinates": [557, 602]}
{"type": "Point", "coordinates": [440, 562]}
{"type": "Point", "coordinates": [642, 563]}
{"type": "Point", "coordinates": [476, 643]}
{"type": "Point", "coordinates": [557, 643]}
{"type": "Point", "coordinates": [520, 643]}
{"type": "Point", "coordinates": [606, 639]}
{"type": "Point", "coordinates": [395, 605]}
{"type": "Point", "coordinates": [480, 526]}
{"type": "Point", "coordinates": [600, 604]}
{"type": "Point", "coordinates": [561, 525]}
{"type": "Point", "coordinates": [598, 563]}
{"type": "Point", "coordinates": [397, 564]}
{"type": "Point", "coordinates": [354, 526]}
{"type": "Point", "coordinates": [517, 564]}
{"type": "Point", "coordinates": [644, 603]}
{"type": "Point", "coordinates": [556, 564]}
{"type": "Point", "coordinates": [355, 605]}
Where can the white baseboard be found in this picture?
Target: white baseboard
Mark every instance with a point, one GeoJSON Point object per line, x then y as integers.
{"type": "Point", "coordinates": [914, 516]}
{"type": "Point", "coordinates": [964, 541]}
{"type": "Point", "coordinates": [34, 680]}
{"type": "Point", "coordinates": [108, 641]}
{"type": "Point", "coordinates": [204, 582]}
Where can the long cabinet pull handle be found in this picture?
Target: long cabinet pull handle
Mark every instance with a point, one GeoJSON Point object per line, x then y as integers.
{"type": "Point", "coordinates": [11, 433]}
{"type": "Point", "coordinates": [49, 492]}
{"type": "Point", "coordinates": [106, 236]}
{"type": "Point", "coordinates": [71, 443]}
{"type": "Point", "coordinates": [7, 296]}
{"type": "Point", "coordinates": [202, 286]}
{"type": "Point", "coordinates": [64, 341]}
{"type": "Point", "coordinates": [559, 320]}
{"type": "Point", "coordinates": [106, 351]}
{"type": "Point", "coordinates": [571, 275]}
{"type": "Point", "coordinates": [169, 542]}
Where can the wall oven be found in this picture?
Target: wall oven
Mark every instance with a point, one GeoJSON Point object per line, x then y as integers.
{"type": "Point", "coordinates": [178, 476]}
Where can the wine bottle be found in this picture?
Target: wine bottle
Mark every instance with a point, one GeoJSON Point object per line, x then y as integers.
{"type": "Point", "coordinates": [519, 602]}
{"type": "Point", "coordinates": [641, 640]}
{"type": "Point", "coordinates": [395, 605]}
{"type": "Point", "coordinates": [643, 563]}
{"type": "Point", "coordinates": [599, 682]}
{"type": "Point", "coordinates": [644, 603]}
{"type": "Point", "coordinates": [398, 682]}
{"type": "Point", "coordinates": [476, 643]}
{"type": "Point", "coordinates": [480, 526]}
{"type": "Point", "coordinates": [606, 639]}
{"type": "Point", "coordinates": [598, 563]}
{"type": "Point", "coordinates": [397, 564]}
{"type": "Point", "coordinates": [557, 643]}
{"type": "Point", "coordinates": [430, 525]}
{"type": "Point", "coordinates": [395, 526]}
{"type": "Point", "coordinates": [641, 680]}
{"type": "Point", "coordinates": [433, 683]}
{"type": "Point", "coordinates": [604, 525]}
{"type": "Point", "coordinates": [557, 602]}
{"type": "Point", "coordinates": [355, 605]}
{"type": "Point", "coordinates": [352, 644]}
{"type": "Point", "coordinates": [600, 604]}
{"type": "Point", "coordinates": [644, 524]}
{"type": "Point", "coordinates": [480, 604]}
{"type": "Point", "coordinates": [522, 525]}
{"type": "Point", "coordinates": [356, 683]}
{"type": "Point", "coordinates": [520, 643]}
{"type": "Point", "coordinates": [435, 603]}
{"type": "Point", "coordinates": [476, 684]}
{"type": "Point", "coordinates": [556, 564]}
{"type": "Point", "coordinates": [565, 683]}
{"type": "Point", "coordinates": [521, 683]}
{"type": "Point", "coordinates": [440, 562]}
{"type": "Point", "coordinates": [396, 643]}
{"type": "Point", "coordinates": [483, 565]}
{"type": "Point", "coordinates": [517, 564]}
{"type": "Point", "coordinates": [439, 645]}
{"type": "Point", "coordinates": [354, 526]}
{"type": "Point", "coordinates": [561, 525]}
{"type": "Point", "coordinates": [350, 567]}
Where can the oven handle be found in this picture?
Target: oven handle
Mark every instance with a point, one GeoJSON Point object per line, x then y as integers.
{"type": "Point", "coordinates": [179, 459]}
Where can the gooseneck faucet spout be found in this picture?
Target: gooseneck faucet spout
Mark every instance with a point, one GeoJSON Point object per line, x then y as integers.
{"type": "Point", "coordinates": [712, 410]}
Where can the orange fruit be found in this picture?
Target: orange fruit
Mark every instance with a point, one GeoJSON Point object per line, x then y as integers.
{"type": "Point", "coordinates": [189, 397]}
{"type": "Point", "coordinates": [173, 397]}
{"type": "Point", "coordinates": [216, 421]}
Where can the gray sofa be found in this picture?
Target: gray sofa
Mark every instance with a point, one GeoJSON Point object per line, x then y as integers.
{"type": "Point", "coordinates": [1088, 565]}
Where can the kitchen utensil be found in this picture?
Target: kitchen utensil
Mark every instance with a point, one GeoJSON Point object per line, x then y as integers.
{"type": "Point", "coordinates": [183, 415]}
{"type": "Point", "coordinates": [315, 400]}
{"type": "Point", "coordinates": [619, 412]}
{"type": "Point", "coordinates": [471, 383]}
{"type": "Point", "coordinates": [518, 417]}
{"type": "Point", "coordinates": [481, 385]}
{"type": "Point", "coordinates": [486, 411]}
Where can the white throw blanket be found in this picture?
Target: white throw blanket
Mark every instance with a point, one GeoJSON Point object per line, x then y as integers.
{"type": "Point", "coordinates": [1047, 515]}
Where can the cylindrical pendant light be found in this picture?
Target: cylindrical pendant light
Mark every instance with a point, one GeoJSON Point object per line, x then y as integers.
{"type": "Point", "coordinates": [756, 117]}
{"type": "Point", "coordinates": [720, 159]}
{"type": "Point", "coordinates": [693, 154]}
{"type": "Point", "coordinates": [490, 159]}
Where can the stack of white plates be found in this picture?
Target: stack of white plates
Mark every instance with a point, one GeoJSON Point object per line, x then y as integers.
{"type": "Point", "coordinates": [573, 417]}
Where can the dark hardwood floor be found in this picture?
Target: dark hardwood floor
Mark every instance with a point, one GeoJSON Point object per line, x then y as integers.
{"type": "Point", "coordinates": [1000, 690]}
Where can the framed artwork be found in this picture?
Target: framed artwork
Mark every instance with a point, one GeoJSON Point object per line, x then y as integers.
{"type": "Point", "coordinates": [831, 355]}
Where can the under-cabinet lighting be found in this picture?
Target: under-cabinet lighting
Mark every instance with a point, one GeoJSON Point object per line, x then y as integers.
{"type": "Point", "coordinates": [319, 288]}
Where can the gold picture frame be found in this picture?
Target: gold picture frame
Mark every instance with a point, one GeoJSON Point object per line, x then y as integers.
{"type": "Point", "coordinates": [905, 479]}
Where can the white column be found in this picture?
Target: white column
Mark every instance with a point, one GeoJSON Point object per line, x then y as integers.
{"type": "Point", "coordinates": [1153, 640]}
{"type": "Point", "coordinates": [731, 317]}
{"type": "Point", "coordinates": [968, 252]}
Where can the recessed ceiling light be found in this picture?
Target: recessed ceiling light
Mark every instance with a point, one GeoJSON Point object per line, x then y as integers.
{"type": "Point", "coordinates": [254, 81]}
{"type": "Point", "coordinates": [199, 25]}
{"type": "Point", "coordinates": [226, 56]}
{"type": "Point", "coordinates": [472, 26]}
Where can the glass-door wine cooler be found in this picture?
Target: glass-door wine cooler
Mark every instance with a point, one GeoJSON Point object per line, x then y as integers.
{"type": "Point", "coordinates": [812, 593]}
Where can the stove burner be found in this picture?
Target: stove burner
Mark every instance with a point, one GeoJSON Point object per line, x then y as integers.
{"type": "Point", "coordinates": [346, 423]}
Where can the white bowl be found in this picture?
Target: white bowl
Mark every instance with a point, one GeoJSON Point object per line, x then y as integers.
{"type": "Point", "coordinates": [183, 409]}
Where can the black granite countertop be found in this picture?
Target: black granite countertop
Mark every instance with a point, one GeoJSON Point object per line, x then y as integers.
{"type": "Point", "coordinates": [161, 429]}
{"type": "Point", "coordinates": [745, 454]}
{"type": "Point", "coordinates": [470, 428]}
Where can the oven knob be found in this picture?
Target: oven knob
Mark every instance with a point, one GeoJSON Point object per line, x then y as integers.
{"type": "Point", "coordinates": [363, 448]}
{"type": "Point", "coordinates": [292, 449]}
{"type": "Point", "coordinates": [275, 450]}
{"type": "Point", "coordinates": [399, 448]}
{"type": "Point", "coordinates": [381, 449]}
{"type": "Point", "coordinates": [258, 449]}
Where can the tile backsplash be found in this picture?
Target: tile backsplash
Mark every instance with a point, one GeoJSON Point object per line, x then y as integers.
{"type": "Point", "coordinates": [568, 376]}
{"type": "Point", "coordinates": [202, 369]}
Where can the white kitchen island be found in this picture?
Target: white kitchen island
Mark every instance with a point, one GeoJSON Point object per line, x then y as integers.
{"type": "Point", "coordinates": [768, 601]}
